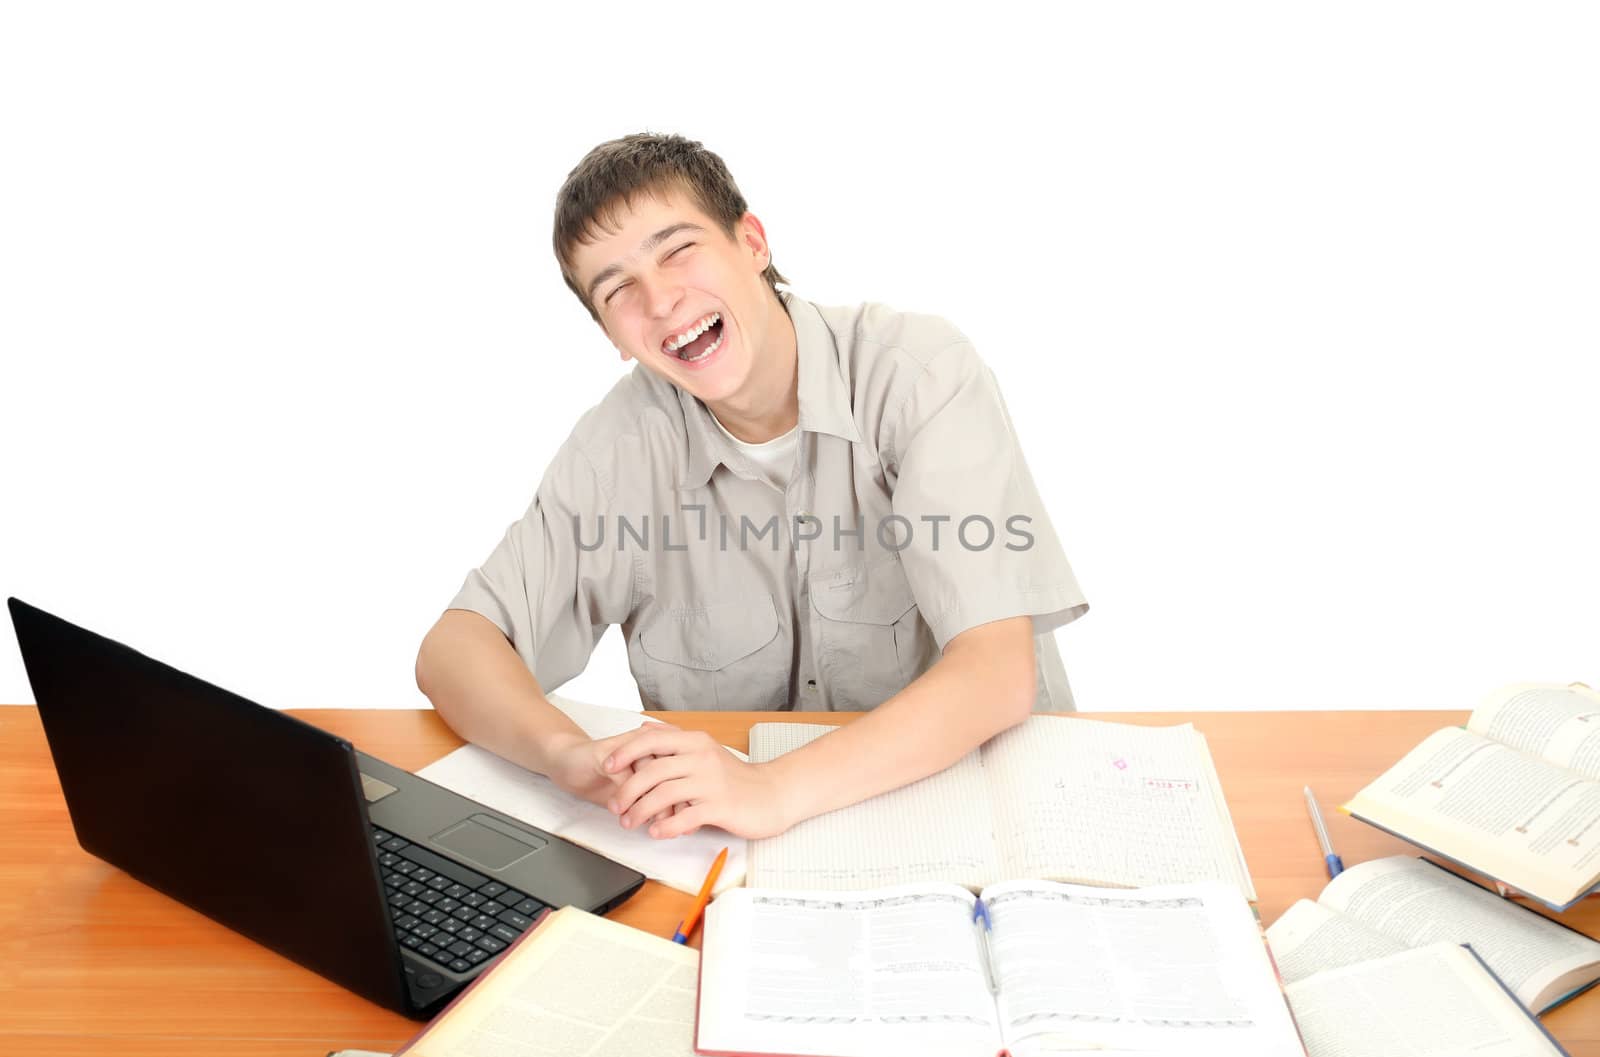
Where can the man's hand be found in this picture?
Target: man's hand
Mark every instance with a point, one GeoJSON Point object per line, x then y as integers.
{"type": "Point", "coordinates": [577, 765]}
{"type": "Point", "coordinates": [690, 782]}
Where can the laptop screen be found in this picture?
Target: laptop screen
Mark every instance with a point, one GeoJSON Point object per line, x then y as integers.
{"type": "Point", "coordinates": [244, 814]}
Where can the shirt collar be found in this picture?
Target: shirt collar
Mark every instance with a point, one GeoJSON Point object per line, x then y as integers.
{"type": "Point", "coordinates": [824, 397]}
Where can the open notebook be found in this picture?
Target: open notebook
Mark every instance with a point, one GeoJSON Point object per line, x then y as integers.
{"type": "Point", "coordinates": [1056, 797]}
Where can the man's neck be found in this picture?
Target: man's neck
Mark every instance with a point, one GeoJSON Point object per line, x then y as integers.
{"type": "Point", "coordinates": [768, 406]}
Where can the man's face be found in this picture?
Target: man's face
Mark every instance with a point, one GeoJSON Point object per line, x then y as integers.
{"type": "Point", "coordinates": [675, 293]}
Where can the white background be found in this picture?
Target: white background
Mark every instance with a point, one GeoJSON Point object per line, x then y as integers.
{"type": "Point", "coordinates": [1295, 307]}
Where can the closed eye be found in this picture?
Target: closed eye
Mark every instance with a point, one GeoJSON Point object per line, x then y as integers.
{"type": "Point", "coordinates": [677, 251]}
{"type": "Point", "coordinates": [613, 293]}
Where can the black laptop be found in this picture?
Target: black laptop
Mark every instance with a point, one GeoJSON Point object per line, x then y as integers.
{"type": "Point", "coordinates": [384, 883]}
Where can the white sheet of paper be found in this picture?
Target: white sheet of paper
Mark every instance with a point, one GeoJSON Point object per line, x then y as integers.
{"type": "Point", "coordinates": [680, 863]}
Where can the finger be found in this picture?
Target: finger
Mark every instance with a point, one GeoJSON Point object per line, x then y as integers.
{"type": "Point", "coordinates": [668, 813]}
{"type": "Point", "coordinates": [611, 741]}
{"type": "Point", "coordinates": [658, 740]}
{"type": "Point", "coordinates": [657, 800]}
{"type": "Point", "coordinates": [645, 777]}
{"type": "Point", "coordinates": [686, 820]}
{"type": "Point", "coordinates": [658, 816]}
{"type": "Point", "coordinates": [659, 803]}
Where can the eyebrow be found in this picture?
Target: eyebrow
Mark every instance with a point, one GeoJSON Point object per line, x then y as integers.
{"type": "Point", "coordinates": [644, 247]}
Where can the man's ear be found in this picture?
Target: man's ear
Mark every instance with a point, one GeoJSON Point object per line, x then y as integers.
{"type": "Point", "coordinates": [753, 239]}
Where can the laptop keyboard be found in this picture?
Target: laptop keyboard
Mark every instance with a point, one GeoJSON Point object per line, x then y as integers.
{"type": "Point", "coordinates": [445, 912]}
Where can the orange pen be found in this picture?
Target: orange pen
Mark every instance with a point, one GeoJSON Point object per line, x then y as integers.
{"type": "Point", "coordinates": [687, 925]}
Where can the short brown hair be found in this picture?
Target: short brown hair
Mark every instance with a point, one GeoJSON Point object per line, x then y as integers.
{"type": "Point", "coordinates": [612, 175]}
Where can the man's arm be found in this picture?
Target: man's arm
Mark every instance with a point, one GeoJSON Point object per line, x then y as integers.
{"type": "Point", "coordinates": [984, 684]}
{"type": "Point", "coordinates": [482, 689]}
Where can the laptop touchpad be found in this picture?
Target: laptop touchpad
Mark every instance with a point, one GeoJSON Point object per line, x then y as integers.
{"type": "Point", "coordinates": [491, 848]}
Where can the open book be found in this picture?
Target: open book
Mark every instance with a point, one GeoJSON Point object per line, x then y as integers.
{"type": "Point", "coordinates": [575, 985]}
{"type": "Point", "coordinates": [1514, 796]}
{"type": "Point", "coordinates": [1385, 906]}
{"type": "Point", "coordinates": [1056, 797]}
{"type": "Point", "coordinates": [1434, 1001]}
{"type": "Point", "coordinates": [905, 970]}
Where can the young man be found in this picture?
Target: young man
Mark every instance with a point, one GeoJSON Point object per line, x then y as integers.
{"type": "Point", "coordinates": [784, 506]}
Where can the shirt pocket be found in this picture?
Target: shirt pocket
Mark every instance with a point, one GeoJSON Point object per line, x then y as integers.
{"type": "Point", "coordinates": [872, 636]}
{"type": "Point", "coordinates": [728, 656]}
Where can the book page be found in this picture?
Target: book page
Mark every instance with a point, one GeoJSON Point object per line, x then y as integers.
{"type": "Point", "coordinates": [891, 970]}
{"type": "Point", "coordinates": [1436, 1001]}
{"type": "Point", "coordinates": [1558, 724]}
{"type": "Point", "coordinates": [1502, 812]}
{"type": "Point", "coordinates": [577, 986]}
{"type": "Point", "coordinates": [1174, 969]}
{"type": "Point", "coordinates": [1110, 803]}
{"type": "Point", "coordinates": [1310, 938]}
{"type": "Point", "coordinates": [1417, 903]}
{"type": "Point", "coordinates": [938, 829]}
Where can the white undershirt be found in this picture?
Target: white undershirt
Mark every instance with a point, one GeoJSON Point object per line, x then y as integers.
{"type": "Point", "coordinates": [774, 458]}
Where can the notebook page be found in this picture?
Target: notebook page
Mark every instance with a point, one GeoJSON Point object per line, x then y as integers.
{"type": "Point", "coordinates": [1436, 1001]}
{"type": "Point", "coordinates": [1110, 804]}
{"type": "Point", "coordinates": [586, 988]}
{"type": "Point", "coordinates": [1219, 807]}
{"type": "Point", "coordinates": [887, 971]}
{"type": "Point", "coordinates": [1178, 969]}
{"type": "Point", "coordinates": [937, 829]}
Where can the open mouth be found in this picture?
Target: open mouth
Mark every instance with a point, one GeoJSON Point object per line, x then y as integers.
{"type": "Point", "coordinates": [698, 342]}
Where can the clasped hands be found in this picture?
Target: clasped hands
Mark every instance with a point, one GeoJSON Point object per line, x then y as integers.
{"type": "Point", "coordinates": [671, 782]}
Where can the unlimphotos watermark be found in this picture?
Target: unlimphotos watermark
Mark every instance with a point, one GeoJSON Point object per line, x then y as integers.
{"type": "Point", "coordinates": [895, 532]}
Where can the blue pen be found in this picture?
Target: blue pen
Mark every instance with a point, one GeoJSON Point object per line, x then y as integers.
{"type": "Point", "coordinates": [980, 917]}
{"type": "Point", "coordinates": [1334, 863]}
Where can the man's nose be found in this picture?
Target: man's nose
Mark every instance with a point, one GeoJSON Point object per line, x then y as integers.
{"type": "Point", "coordinates": [663, 296]}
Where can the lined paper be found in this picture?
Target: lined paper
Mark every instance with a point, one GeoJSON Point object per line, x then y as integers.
{"type": "Point", "coordinates": [937, 829]}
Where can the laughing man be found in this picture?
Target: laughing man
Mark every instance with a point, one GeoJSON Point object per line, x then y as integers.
{"type": "Point", "coordinates": [785, 506]}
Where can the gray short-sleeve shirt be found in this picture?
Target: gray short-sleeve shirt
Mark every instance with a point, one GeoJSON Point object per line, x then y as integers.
{"type": "Point", "coordinates": [909, 517]}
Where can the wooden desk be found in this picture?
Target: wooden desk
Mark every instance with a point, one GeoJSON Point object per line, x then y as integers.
{"type": "Point", "coordinates": [98, 963]}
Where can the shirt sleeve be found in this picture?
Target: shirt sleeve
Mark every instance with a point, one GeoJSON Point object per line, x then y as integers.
{"type": "Point", "coordinates": [980, 544]}
{"type": "Point", "coordinates": [556, 581]}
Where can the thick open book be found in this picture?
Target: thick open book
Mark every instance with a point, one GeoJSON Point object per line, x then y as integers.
{"type": "Point", "coordinates": [1515, 795]}
{"type": "Point", "coordinates": [1386, 906]}
{"type": "Point", "coordinates": [1433, 1001]}
{"type": "Point", "coordinates": [575, 985]}
{"type": "Point", "coordinates": [903, 971]}
{"type": "Point", "coordinates": [1056, 797]}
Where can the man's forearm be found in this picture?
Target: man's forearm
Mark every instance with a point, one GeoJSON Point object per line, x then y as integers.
{"type": "Point", "coordinates": [481, 688]}
{"type": "Point", "coordinates": [984, 684]}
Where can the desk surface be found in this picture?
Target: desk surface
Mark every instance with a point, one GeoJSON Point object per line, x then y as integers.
{"type": "Point", "coordinates": [99, 963]}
